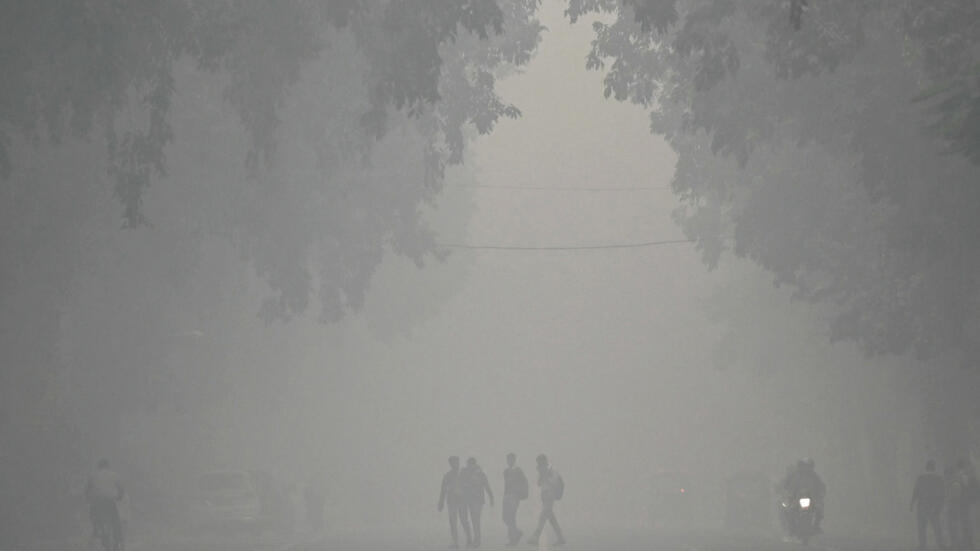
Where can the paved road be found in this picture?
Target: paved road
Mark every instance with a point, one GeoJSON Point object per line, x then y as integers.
{"type": "Point", "coordinates": [609, 541]}
{"type": "Point", "coordinates": [650, 541]}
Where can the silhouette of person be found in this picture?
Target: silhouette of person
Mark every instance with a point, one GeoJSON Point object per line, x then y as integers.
{"type": "Point", "coordinates": [953, 491]}
{"type": "Point", "coordinates": [927, 501]}
{"type": "Point", "coordinates": [103, 490]}
{"type": "Point", "coordinates": [551, 487]}
{"type": "Point", "coordinates": [803, 480]}
{"type": "Point", "coordinates": [475, 485]}
{"type": "Point", "coordinates": [451, 496]}
{"type": "Point", "coordinates": [515, 490]}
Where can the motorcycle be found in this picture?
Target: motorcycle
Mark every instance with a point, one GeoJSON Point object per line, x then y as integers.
{"type": "Point", "coordinates": [800, 518]}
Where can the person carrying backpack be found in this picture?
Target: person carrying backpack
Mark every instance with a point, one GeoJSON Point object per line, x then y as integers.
{"type": "Point", "coordinates": [515, 491]}
{"type": "Point", "coordinates": [552, 489]}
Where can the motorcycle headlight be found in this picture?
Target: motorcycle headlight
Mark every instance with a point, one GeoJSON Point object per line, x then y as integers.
{"type": "Point", "coordinates": [804, 502]}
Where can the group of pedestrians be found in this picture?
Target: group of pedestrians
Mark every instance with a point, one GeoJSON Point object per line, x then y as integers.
{"type": "Point", "coordinates": [951, 495]}
{"type": "Point", "coordinates": [465, 491]}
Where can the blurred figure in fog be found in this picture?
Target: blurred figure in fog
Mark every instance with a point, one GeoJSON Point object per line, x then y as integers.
{"type": "Point", "coordinates": [552, 487]}
{"type": "Point", "coordinates": [927, 502]}
{"type": "Point", "coordinates": [515, 490]}
{"type": "Point", "coordinates": [451, 496]}
{"type": "Point", "coordinates": [804, 481]}
{"type": "Point", "coordinates": [952, 524]}
{"type": "Point", "coordinates": [475, 485]}
{"type": "Point", "coordinates": [102, 491]}
{"type": "Point", "coordinates": [315, 497]}
{"type": "Point", "coordinates": [781, 490]}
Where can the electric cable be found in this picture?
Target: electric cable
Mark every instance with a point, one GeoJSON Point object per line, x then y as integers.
{"type": "Point", "coordinates": [564, 248]}
{"type": "Point", "coordinates": [562, 188]}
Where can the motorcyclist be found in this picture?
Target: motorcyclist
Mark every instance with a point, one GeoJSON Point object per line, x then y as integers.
{"type": "Point", "coordinates": [803, 481]}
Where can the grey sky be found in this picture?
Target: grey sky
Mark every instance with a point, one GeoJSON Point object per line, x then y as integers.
{"type": "Point", "coordinates": [512, 355]}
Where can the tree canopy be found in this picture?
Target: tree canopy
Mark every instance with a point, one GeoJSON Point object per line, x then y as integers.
{"type": "Point", "coordinates": [832, 142]}
{"type": "Point", "coordinates": [135, 75]}
{"type": "Point", "coordinates": [250, 149]}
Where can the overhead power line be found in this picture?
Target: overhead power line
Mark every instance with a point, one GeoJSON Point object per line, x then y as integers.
{"type": "Point", "coordinates": [564, 248]}
{"type": "Point", "coordinates": [563, 188]}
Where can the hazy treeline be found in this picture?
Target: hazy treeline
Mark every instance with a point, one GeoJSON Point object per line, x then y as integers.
{"type": "Point", "coordinates": [178, 177]}
{"type": "Point", "coordinates": [837, 147]}
{"type": "Point", "coordinates": [262, 156]}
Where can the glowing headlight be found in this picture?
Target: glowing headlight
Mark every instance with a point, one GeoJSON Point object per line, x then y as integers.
{"type": "Point", "coordinates": [804, 502]}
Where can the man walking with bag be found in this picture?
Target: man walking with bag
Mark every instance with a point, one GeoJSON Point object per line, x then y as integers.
{"type": "Point", "coordinates": [552, 488]}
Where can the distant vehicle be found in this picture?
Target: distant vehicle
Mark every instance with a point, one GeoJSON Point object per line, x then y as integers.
{"type": "Point", "coordinates": [239, 499]}
{"type": "Point", "coordinates": [747, 502]}
{"type": "Point", "coordinates": [671, 502]}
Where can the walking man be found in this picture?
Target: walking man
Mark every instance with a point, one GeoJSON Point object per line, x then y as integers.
{"type": "Point", "coordinates": [451, 495]}
{"type": "Point", "coordinates": [927, 501]}
{"type": "Point", "coordinates": [475, 485]}
{"type": "Point", "coordinates": [515, 491]}
{"type": "Point", "coordinates": [103, 490]}
{"type": "Point", "coordinates": [552, 488]}
{"type": "Point", "coordinates": [953, 491]}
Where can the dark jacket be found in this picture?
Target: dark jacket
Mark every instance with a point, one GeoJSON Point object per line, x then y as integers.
{"type": "Point", "coordinates": [475, 484]}
{"type": "Point", "coordinates": [929, 492]}
{"type": "Point", "coordinates": [515, 483]}
{"type": "Point", "coordinates": [452, 491]}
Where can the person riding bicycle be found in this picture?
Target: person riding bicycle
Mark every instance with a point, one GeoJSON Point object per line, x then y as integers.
{"type": "Point", "coordinates": [102, 491]}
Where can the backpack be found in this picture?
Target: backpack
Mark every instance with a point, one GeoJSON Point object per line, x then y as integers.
{"type": "Point", "coordinates": [559, 486]}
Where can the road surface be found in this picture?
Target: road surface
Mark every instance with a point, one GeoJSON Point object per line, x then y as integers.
{"type": "Point", "coordinates": [624, 540]}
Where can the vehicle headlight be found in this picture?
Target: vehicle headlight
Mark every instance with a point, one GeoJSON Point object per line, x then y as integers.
{"type": "Point", "coordinates": [805, 502]}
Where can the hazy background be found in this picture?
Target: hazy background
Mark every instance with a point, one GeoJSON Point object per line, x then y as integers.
{"type": "Point", "coordinates": [609, 361]}
{"type": "Point", "coordinates": [618, 363]}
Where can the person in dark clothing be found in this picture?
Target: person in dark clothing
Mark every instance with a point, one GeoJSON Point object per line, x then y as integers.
{"type": "Point", "coordinates": [451, 496]}
{"type": "Point", "coordinates": [515, 490]}
{"type": "Point", "coordinates": [102, 491]}
{"type": "Point", "coordinates": [927, 501]}
{"type": "Point", "coordinates": [475, 485]}
{"type": "Point", "coordinates": [804, 481]}
{"type": "Point", "coordinates": [952, 498]}
{"type": "Point", "coordinates": [552, 487]}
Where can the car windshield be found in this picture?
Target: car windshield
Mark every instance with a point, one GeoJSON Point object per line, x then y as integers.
{"type": "Point", "coordinates": [223, 482]}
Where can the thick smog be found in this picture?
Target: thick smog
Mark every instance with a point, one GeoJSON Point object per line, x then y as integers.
{"type": "Point", "coordinates": [604, 275]}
